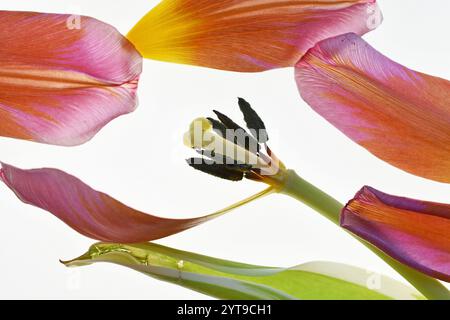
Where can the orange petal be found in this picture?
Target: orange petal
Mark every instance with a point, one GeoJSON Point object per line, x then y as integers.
{"type": "Point", "coordinates": [400, 115]}
{"type": "Point", "coordinates": [62, 77]}
{"type": "Point", "coordinates": [246, 35]}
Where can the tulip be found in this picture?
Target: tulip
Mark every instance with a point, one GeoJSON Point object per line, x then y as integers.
{"type": "Point", "coordinates": [227, 151]}
{"type": "Point", "coordinates": [412, 231]}
{"type": "Point", "coordinates": [400, 115]}
{"type": "Point", "coordinates": [232, 153]}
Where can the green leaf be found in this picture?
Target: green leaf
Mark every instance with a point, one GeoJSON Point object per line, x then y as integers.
{"type": "Point", "coordinates": [231, 280]}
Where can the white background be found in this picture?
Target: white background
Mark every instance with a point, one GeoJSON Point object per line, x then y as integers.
{"type": "Point", "coordinates": [139, 159]}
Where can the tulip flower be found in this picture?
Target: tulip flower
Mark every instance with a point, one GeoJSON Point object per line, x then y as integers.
{"type": "Point", "coordinates": [232, 280]}
{"type": "Point", "coordinates": [400, 115]}
{"type": "Point", "coordinates": [232, 153]}
{"type": "Point", "coordinates": [413, 232]}
{"type": "Point", "coordinates": [228, 151]}
{"type": "Point", "coordinates": [62, 80]}
{"type": "Point", "coordinates": [246, 35]}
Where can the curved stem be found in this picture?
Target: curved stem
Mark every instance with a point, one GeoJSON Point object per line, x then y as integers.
{"type": "Point", "coordinates": [303, 191]}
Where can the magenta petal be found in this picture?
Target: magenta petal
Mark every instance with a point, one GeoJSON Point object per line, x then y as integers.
{"type": "Point", "coordinates": [91, 213]}
{"type": "Point", "coordinates": [63, 77]}
{"type": "Point", "coordinates": [414, 232]}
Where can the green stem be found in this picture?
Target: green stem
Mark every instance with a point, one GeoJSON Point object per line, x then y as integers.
{"type": "Point", "coordinates": [296, 187]}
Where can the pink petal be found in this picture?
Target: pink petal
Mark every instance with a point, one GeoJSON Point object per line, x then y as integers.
{"type": "Point", "coordinates": [62, 77]}
{"type": "Point", "coordinates": [400, 115]}
{"type": "Point", "coordinates": [91, 213]}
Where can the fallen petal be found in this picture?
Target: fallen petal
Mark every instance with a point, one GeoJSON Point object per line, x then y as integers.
{"type": "Point", "coordinates": [248, 35]}
{"type": "Point", "coordinates": [93, 213]}
{"type": "Point", "coordinates": [414, 232]}
{"type": "Point", "coordinates": [400, 115]}
{"type": "Point", "coordinates": [63, 77]}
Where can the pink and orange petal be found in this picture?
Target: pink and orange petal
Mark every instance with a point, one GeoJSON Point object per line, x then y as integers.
{"type": "Point", "coordinates": [414, 232]}
{"type": "Point", "coordinates": [60, 83]}
{"type": "Point", "coordinates": [400, 115]}
{"type": "Point", "coordinates": [246, 35]}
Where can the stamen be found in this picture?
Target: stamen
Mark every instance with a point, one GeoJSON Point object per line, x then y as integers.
{"type": "Point", "coordinates": [232, 172]}
{"type": "Point", "coordinates": [218, 127]}
{"type": "Point", "coordinates": [254, 122]}
{"type": "Point", "coordinates": [237, 134]}
{"type": "Point", "coordinates": [227, 148]}
{"type": "Point", "coordinates": [230, 124]}
{"type": "Point", "coordinates": [201, 136]}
